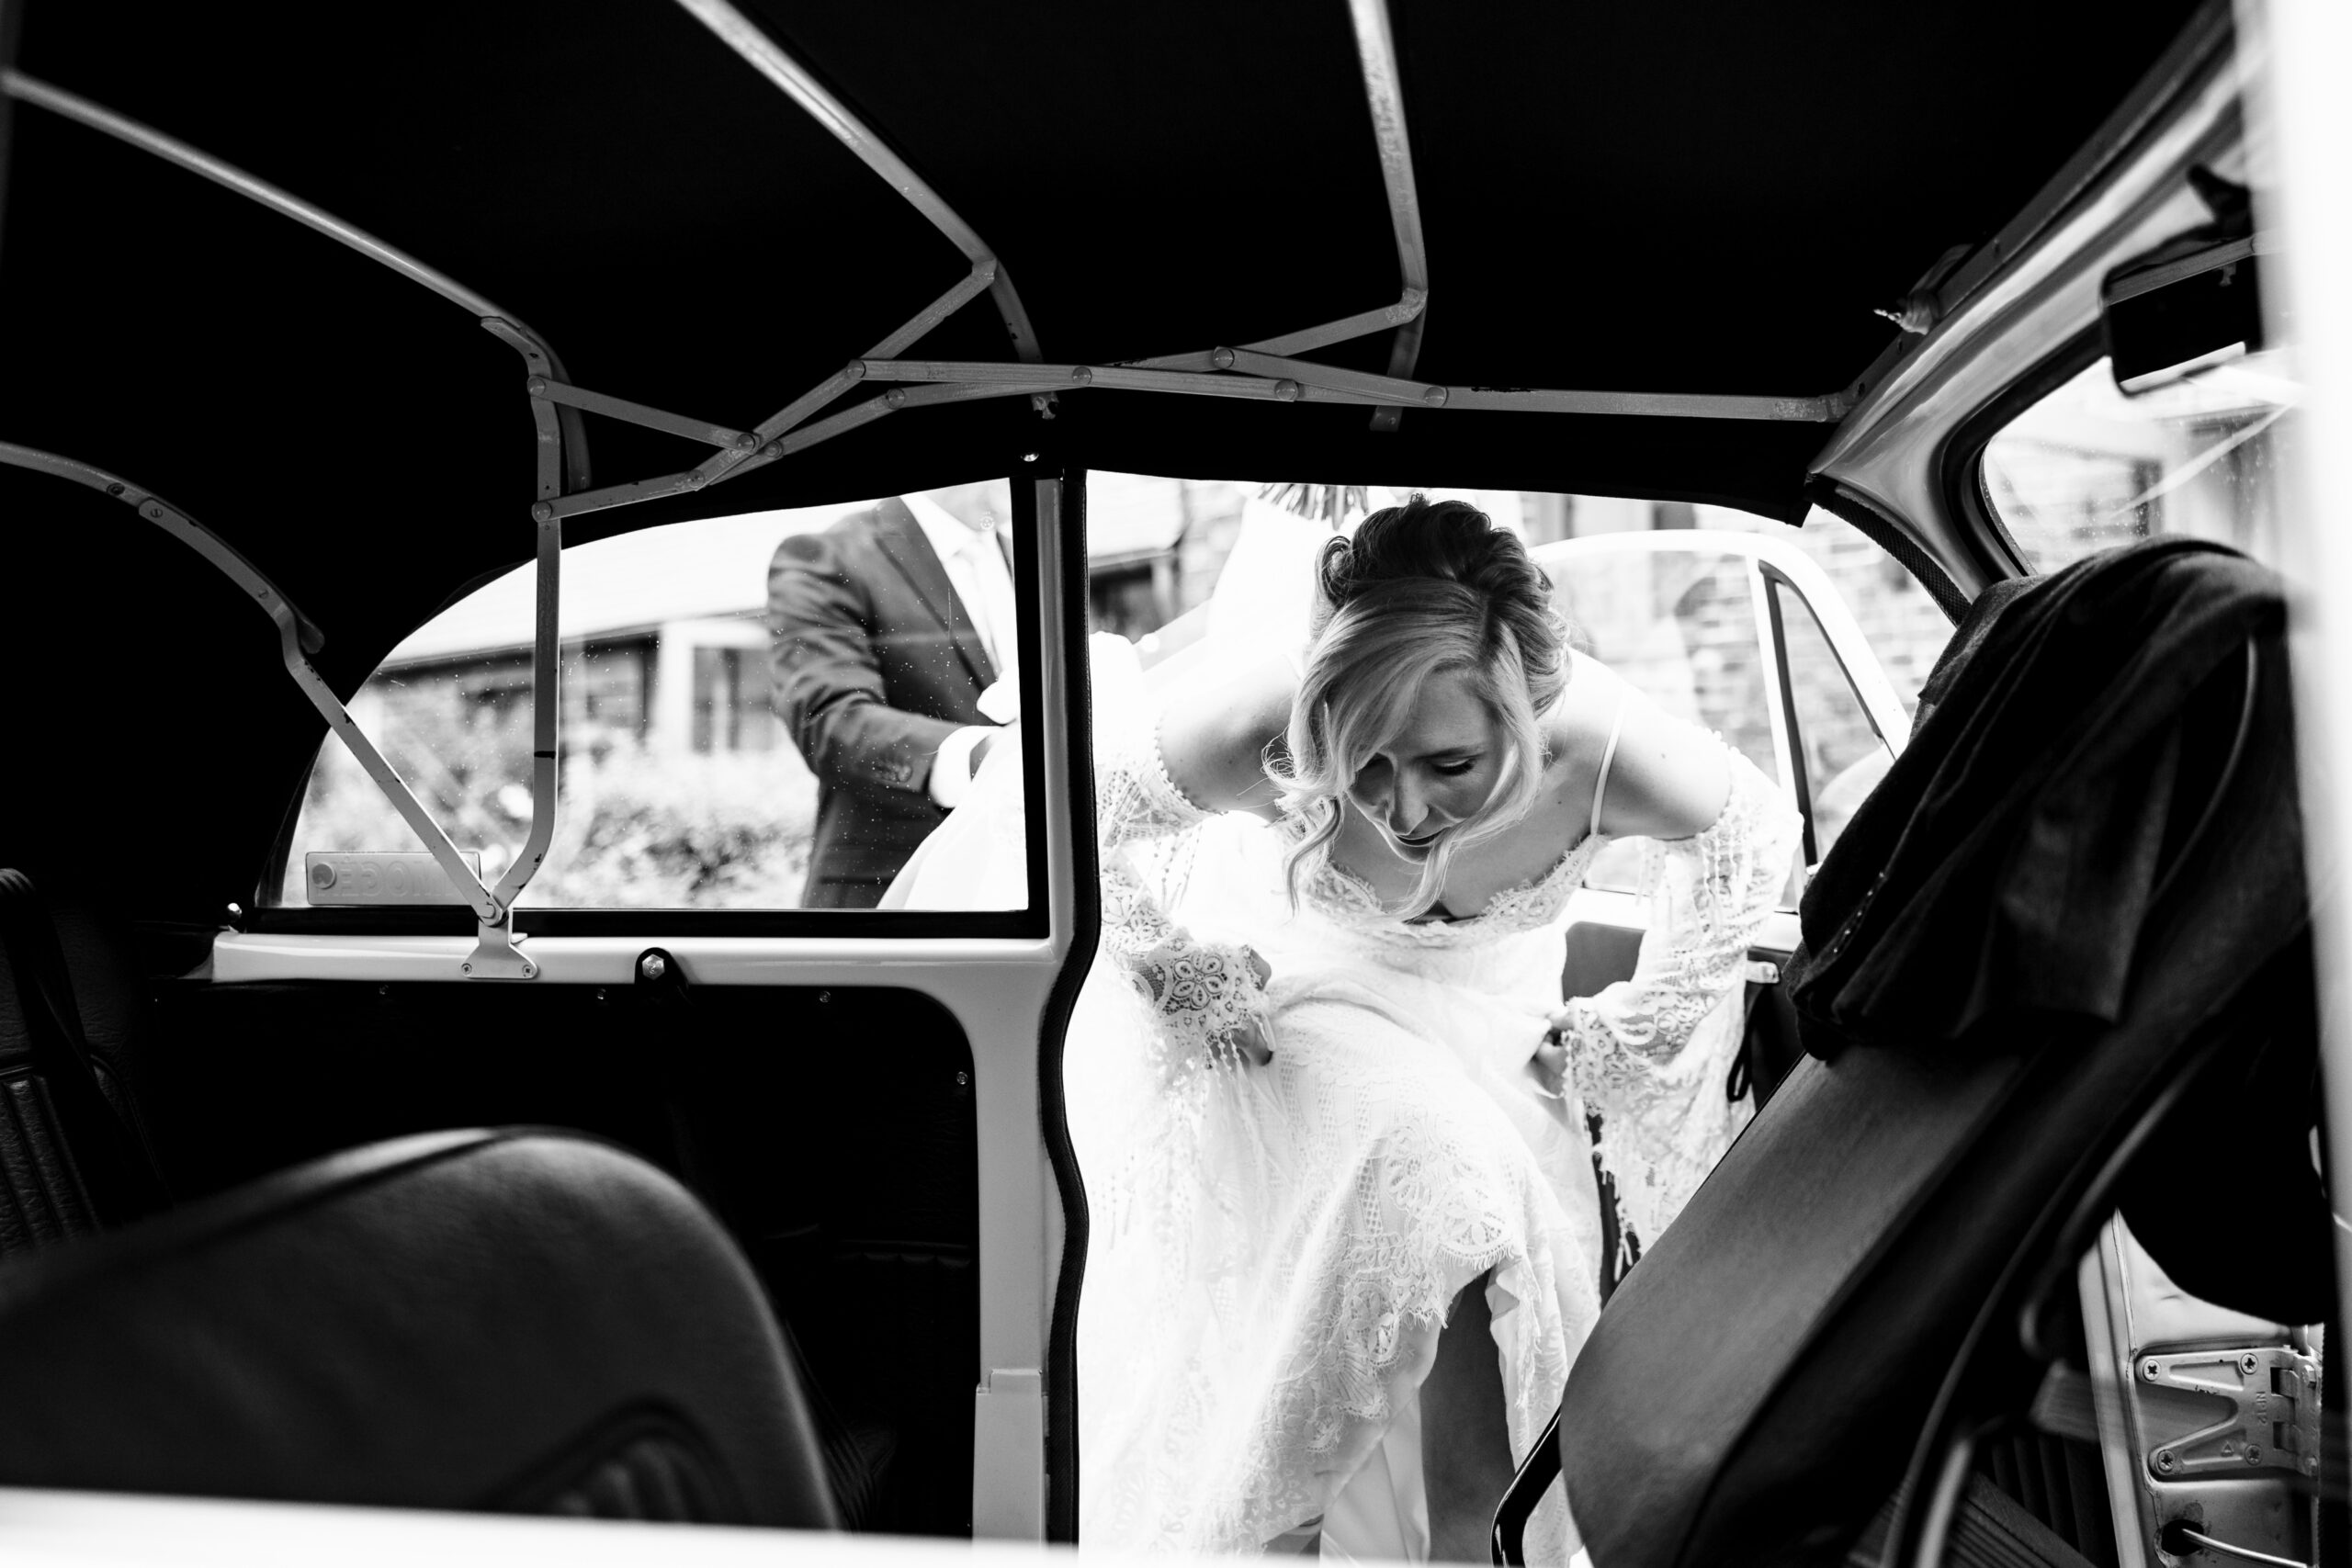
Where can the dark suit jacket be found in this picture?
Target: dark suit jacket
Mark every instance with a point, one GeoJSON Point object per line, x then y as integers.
{"type": "Point", "coordinates": [875, 663]}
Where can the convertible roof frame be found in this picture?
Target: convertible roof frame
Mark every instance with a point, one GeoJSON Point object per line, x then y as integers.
{"type": "Point", "coordinates": [298, 637]}
{"type": "Point", "coordinates": [562, 457]}
{"type": "Point", "coordinates": [743, 36]}
{"type": "Point", "coordinates": [1265, 370]}
{"type": "Point", "coordinates": [1384, 94]}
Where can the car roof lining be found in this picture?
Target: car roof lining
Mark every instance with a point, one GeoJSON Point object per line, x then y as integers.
{"type": "Point", "coordinates": [1268, 371]}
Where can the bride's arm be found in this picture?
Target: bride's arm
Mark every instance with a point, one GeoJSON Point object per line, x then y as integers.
{"type": "Point", "coordinates": [1642, 1049]}
{"type": "Point", "coordinates": [1208, 998]}
{"type": "Point", "coordinates": [1667, 780]}
{"type": "Point", "coordinates": [1218, 711]}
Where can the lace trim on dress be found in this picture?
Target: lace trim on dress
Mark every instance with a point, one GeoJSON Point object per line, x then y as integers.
{"type": "Point", "coordinates": [1639, 1047]}
{"type": "Point", "coordinates": [1206, 995]}
{"type": "Point", "coordinates": [1347, 900]}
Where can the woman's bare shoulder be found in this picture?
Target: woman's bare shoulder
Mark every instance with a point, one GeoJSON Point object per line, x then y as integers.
{"type": "Point", "coordinates": [1667, 779]}
{"type": "Point", "coordinates": [1218, 713]}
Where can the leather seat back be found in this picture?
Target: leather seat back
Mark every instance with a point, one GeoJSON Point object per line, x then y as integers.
{"type": "Point", "coordinates": [1753, 1390]}
{"type": "Point", "coordinates": [510, 1321]}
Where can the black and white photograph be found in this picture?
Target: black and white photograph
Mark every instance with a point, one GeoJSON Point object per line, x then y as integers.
{"type": "Point", "coordinates": [873, 783]}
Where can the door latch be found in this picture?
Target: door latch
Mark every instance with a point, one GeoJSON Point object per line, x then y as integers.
{"type": "Point", "coordinates": [2273, 1424]}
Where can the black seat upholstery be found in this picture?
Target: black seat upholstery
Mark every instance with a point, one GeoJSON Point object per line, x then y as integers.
{"type": "Point", "coordinates": [510, 1321]}
{"type": "Point", "coordinates": [73, 1157]}
{"type": "Point", "coordinates": [1878, 1248]}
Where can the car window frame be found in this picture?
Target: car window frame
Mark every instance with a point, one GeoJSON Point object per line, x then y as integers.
{"type": "Point", "coordinates": [266, 918]}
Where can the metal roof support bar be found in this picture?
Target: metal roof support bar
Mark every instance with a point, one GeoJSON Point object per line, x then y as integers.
{"type": "Point", "coordinates": [640, 414]}
{"type": "Point", "coordinates": [1289, 380]}
{"type": "Point", "coordinates": [173, 151]}
{"type": "Point", "coordinates": [946, 381]}
{"type": "Point", "coordinates": [741, 456]}
{"type": "Point", "coordinates": [743, 36]}
{"type": "Point", "coordinates": [1385, 93]}
{"type": "Point", "coordinates": [297, 637]}
{"type": "Point", "coordinates": [508, 326]}
{"type": "Point", "coordinates": [909, 333]}
{"type": "Point", "coordinates": [12, 21]}
{"type": "Point", "coordinates": [1361, 324]}
{"type": "Point", "coordinates": [494, 956]}
{"type": "Point", "coordinates": [1382, 388]}
{"type": "Point", "coordinates": [890, 402]}
{"type": "Point", "coordinates": [1404, 313]}
{"type": "Point", "coordinates": [563, 457]}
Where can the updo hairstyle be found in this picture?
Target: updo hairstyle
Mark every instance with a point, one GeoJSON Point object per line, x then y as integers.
{"type": "Point", "coordinates": [1423, 588]}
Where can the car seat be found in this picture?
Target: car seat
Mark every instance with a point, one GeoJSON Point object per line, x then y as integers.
{"type": "Point", "coordinates": [1880, 1262]}
{"type": "Point", "coordinates": [510, 1321]}
{"type": "Point", "coordinates": [74, 1154]}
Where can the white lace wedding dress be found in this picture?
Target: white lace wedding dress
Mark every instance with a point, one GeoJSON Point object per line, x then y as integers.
{"type": "Point", "coordinates": [1273, 1248]}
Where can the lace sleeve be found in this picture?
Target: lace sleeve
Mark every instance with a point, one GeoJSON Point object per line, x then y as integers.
{"type": "Point", "coordinates": [1650, 1053]}
{"type": "Point", "coordinates": [1203, 994]}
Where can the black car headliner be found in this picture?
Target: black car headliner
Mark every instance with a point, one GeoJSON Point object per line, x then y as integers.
{"type": "Point", "coordinates": [1707, 196]}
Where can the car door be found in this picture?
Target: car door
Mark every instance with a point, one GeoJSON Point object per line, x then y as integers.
{"type": "Point", "coordinates": [854, 1091]}
{"type": "Point", "coordinates": [1747, 635]}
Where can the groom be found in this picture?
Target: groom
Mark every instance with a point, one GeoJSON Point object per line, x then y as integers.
{"type": "Point", "coordinates": [884, 631]}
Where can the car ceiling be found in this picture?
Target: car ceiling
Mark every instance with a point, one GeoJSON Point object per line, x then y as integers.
{"type": "Point", "coordinates": [1703, 197]}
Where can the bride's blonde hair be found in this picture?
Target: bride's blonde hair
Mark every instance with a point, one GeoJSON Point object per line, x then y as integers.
{"type": "Point", "coordinates": [1422, 588]}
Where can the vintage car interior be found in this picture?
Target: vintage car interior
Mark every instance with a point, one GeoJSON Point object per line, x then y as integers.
{"type": "Point", "coordinates": [422, 1172]}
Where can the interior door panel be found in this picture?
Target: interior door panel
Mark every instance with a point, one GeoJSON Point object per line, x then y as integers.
{"type": "Point", "coordinates": [832, 1129]}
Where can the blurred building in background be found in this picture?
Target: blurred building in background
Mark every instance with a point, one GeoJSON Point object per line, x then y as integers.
{"type": "Point", "coordinates": [1157, 546]}
{"type": "Point", "coordinates": [681, 790]}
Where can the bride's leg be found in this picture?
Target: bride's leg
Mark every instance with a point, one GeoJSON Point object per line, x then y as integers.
{"type": "Point", "coordinates": [1465, 1444]}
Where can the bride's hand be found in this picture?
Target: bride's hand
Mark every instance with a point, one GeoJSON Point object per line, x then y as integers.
{"type": "Point", "coordinates": [1250, 1040]}
{"type": "Point", "coordinates": [1551, 1063]}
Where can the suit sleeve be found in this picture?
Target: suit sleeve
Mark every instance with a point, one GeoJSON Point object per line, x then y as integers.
{"type": "Point", "coordinates": [828, 686]}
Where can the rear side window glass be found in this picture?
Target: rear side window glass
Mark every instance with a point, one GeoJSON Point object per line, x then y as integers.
{"type": "Point", "coordinates": [752, 710]}
{"type": "Point", "coordinates": [2087, 467]}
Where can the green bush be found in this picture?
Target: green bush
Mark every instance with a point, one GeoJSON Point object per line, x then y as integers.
{"type": "Point", "coordinates": [635, 829]}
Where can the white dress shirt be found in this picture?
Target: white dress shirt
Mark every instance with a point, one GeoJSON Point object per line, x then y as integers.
{"type": "Point", "coordinates": [974, 562]}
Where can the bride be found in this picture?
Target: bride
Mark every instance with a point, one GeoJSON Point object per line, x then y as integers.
{"type": "Point", "coordinates": [1328, 1099]}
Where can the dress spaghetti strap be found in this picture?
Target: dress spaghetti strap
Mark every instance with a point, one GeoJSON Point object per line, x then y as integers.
{"type": "Point", "coordinates": [1608, 755]}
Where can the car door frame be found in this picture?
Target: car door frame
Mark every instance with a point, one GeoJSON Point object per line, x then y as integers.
{"type": "Point", "coordinates": [1010, 995]}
